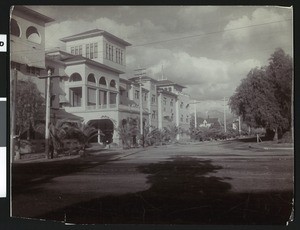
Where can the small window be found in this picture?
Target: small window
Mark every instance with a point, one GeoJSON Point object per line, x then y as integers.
{"type": "Point", "coordinates": [91, 78]}
{"type": "Point", "coordinates": [137, 94]}
{"type": "Point", "coordinates": [80, 50]}
{"type": "Point", "coordinates": [112, 84]}
{"type": "Point", "coordinates": [91, 51]}
{"type": "Point", "coordinates": [72, 50]}
{"type": "Point", "coordinates": [153, 114]}
{"type": "Point", "coordinates": [165, 101]}
{"type": "Point", "coordinates": [95, 50]}
{"type": "Point", "coordinates": [107, 51]}
{"type": "Point", "coordinates": [87, 50]}
{"type": "Point", "coordinates": [33, 35]}
{"type": "Point", "coordinates": [153, 99]}
{"type": "Point", "coordinates": [171, 102]}
{"type": "Point", "coordinates": [121, 61]}
{"type": "Point", "coordinates": [102, 81]}
{"type": "Point", "coordinates": [110, 54]}
{"type": "Point", "coordinates": [75, 77]}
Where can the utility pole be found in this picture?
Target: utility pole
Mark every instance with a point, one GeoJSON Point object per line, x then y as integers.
{"type": "Point", "coordinates": [13, 116]}
{"type": "Point", "coordinates": [47, 132]}
{"type": "Point", "coordinates": [292, 107]}
{"type": "Point", "coordinates": [47, 119]}
{"type": "Point", "coordinates": [142, 73]}
{"type": "Point", "coordinates": [225, 115]}
{"type": "Point", "coordinates": [141, 108]}
{"type": "Point", "coordinates": [240, 126]}
{"type": "Point", "coordinates": [195, 111]}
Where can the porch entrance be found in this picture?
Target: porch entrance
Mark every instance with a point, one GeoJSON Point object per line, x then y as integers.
{"type": "Point", "coordinates": [107, 128]}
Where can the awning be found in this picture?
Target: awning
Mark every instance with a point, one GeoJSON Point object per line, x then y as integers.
{"type": "Point", "coordinates": [63, 99]}
{"type": "Point", "coordinates": [27, 54]}
{"type": "Point", "coordinates": [122, 88]}
{"type": "Point", "coordinates": [61, 114]}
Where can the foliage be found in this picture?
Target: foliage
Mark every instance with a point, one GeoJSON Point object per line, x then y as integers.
{"type": "Point", "coordinates": [30, 106]}
{"type": "Point", "coordinates": [263, 99]}
{"type": "Point", "coordinates": [208, 134]}
{"type": "Point", "coordinates": [166, 135]}
{"type": "Point", "coordinates": [76, 130]}
{"type": "Point", "coordinates": [71, 130]}
{"type": "Point", "coordinates": [129, 132]}
{"type": "Point", "coordinates": [280, 73]}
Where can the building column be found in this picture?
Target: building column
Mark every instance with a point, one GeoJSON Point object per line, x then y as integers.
{"type": "Point", "coordinates": [97, 99]}
{"type": "Point", "coordinates": [118, 100]}
{"type": "Point", "coordinates": [101, 95]}
{"type": "Point", "coordinates": [70, 97]}
{"type": "Point", "coordinates": [131, 92]}
{"type": "Point", "coordinates": [108, 99]}
{"type": "Point", "coordinates": [116, 136]}
{"type": "Point", "coordinates": [149, 109]}
{"type": "Point", "coordinates": [159, 111]}
{"type": "Point", "coordinates": [84, 97]}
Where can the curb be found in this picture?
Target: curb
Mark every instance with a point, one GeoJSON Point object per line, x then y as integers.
{"type": "Point", "coordinates": [280, 148]}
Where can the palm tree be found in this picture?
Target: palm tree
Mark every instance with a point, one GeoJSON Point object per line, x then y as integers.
{"type": "Point", "coordinates": [71, 130]}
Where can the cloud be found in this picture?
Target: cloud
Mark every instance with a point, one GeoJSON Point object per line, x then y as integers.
{"type": "Point", "coordinates": [140, 32]}
{"type": "Point", "coordinates": [196, 17]}
{"type": "Point", "coordinates": [211, 66]}
{"type": "Point", "coordinates": [56, 31]}
{"type": "Point", "coordinates": [264, 30]}
{"type": "Point", "coordinates": [205, 78]}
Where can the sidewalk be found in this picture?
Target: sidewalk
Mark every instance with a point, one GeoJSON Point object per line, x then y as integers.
{"type": "Point", "coordinates": [113, 153]}
{"type": "Point", "coordinates": [270, 145]}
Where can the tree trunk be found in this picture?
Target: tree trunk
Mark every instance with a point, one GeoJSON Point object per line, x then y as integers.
{"type": "Point", "coordinates": [276, 135]}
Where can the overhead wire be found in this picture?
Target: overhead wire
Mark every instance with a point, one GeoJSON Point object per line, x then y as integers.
{"type": "Point", "coordinates": [172, 39]}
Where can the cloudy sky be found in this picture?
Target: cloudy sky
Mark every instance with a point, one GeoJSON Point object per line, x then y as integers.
{"type": "Point", "coordinates": [209, 49]}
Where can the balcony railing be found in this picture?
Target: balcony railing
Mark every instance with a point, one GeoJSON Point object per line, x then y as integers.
{"type": "Point", "coordinates": [91, 107]}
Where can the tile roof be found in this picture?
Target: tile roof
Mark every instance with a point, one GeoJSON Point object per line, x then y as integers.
{"type": "Point", "coordinates": [168, 82]}
{"type": "Point", "coordinates": [94, 32]}
{"type": "Point", "coordinates": [32, 13]}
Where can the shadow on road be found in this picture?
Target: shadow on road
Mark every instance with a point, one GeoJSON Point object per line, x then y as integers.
{"type": "Point", "coordinates": [183, 191]}
{"type": "Point", "coordinates": [25, 177]}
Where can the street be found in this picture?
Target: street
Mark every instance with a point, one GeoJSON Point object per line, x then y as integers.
{"type": "Point", "coordinates": [226, 182]}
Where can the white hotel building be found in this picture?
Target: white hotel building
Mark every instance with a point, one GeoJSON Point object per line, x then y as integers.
{"type": "Point", "coordinates": [93, 62]}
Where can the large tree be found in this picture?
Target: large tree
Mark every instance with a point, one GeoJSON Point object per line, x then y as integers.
{"type": "Point", "coordinates": [280, 74]}
{"type": "Point", "coordinates": [30, 106]}
{"type": "Point", "coordinates": [263, 98]}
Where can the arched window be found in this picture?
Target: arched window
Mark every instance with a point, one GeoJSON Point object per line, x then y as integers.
{"type": "Point", "coordinates": [112, 84]}
{"type": "Point", "coordinates": [91, 78]}
{"type": "Point", "coordinates": [75, 77]}
{"type": "Point", "coordinates": [15, 28]}
{"type": "Point", "coordinates": [33, 35]}
{"type": "Point", "coordinates": [102, 81]}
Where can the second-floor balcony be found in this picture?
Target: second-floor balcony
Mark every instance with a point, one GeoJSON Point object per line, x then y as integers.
{"type": "Point", "coordinates": [91, 108]}
{"type": "Point", "coordinates": [101, 107]}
